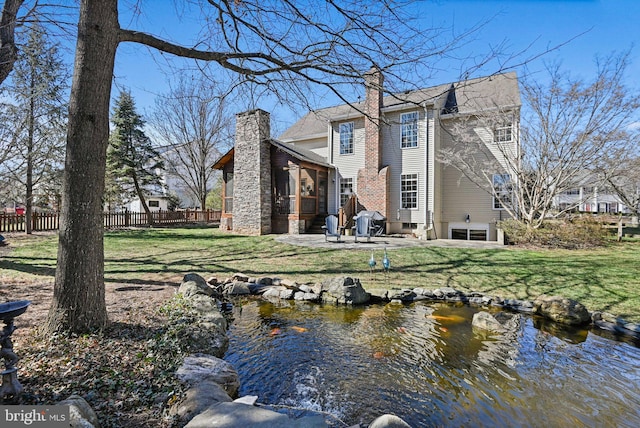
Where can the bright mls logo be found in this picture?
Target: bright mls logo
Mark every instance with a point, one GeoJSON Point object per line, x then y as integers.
{"type": "Point", "coordinates": [34, 416]}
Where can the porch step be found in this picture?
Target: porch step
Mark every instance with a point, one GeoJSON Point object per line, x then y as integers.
{"type": "Point", "coordinates": [316, 226]}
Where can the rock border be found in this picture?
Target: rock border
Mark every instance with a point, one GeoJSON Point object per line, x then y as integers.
{"type": "Point", "coordinates": [558, 309]}
{"type": "Point", "coordinates": [212, 383]}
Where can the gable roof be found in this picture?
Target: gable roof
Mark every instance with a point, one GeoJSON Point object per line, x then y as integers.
{"type": "Point", "coordinates": [500, 90]}
{"type": "Point", "coordinates": [297, 152]}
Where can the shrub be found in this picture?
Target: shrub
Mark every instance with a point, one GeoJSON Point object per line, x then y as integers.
{"type": "Point", "coordinates": [570, 233]}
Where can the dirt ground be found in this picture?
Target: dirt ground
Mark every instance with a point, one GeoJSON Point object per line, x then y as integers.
{"type": "Point", "coordinates": [125, 302]}
{"type": "Point", "coordinates": [118, 371]}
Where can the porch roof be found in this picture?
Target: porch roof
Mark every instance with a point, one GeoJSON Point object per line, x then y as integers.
{"type": "Point", "coordinates": [297, 152]}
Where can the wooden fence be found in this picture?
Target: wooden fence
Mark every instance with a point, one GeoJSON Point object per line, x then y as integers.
{"type": "Point", "coordinates": [112, 220]}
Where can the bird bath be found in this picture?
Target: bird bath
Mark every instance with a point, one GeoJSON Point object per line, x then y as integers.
{"type": "Point", "coordinates": [8, 311]}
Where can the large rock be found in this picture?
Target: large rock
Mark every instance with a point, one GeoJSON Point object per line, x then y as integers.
{"type": "Point", "coordinates": [389, 421]}
{"type": "Point", "coordinates": [192, 283]}
{"type": "Point", "coordinates": [344, 290]}
{"type": "Point", "coordinates": [202, 367]}
{"type": "Point", "coordinates": [197, 399]}
{"type": "Point", "coordinates": [234, 415]}
{"type": "Point", "coordinates": [499, 323]}
{"type": "Point", "coordinates": [561, 310]}
{"type": "Point", "coordinates": [81, 414]}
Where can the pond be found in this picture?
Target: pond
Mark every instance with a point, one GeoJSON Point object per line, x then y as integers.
{"type": "Point", "coordinates": [427, 365]}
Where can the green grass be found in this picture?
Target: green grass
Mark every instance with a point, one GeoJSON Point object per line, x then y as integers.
{"type": "Point", "coordinates": [606, 279]}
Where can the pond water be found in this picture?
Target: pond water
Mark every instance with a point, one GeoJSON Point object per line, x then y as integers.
{"type": "Point", "coordinates": [427, 365]}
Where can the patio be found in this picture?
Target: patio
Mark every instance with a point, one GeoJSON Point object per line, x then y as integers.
{"type": "Point", "coordinates": [380, 242]}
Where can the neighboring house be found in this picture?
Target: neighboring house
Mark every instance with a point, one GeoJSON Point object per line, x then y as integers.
{"type": "Point", "coordinates": [380, 152]}
{"type": "Point", "coordinates": [154, 202]}
{"type": "Point", "coordinates": [590, 198]}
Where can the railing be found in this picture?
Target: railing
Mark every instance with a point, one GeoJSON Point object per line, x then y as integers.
{"type": "Point", "coordinates": [347, 212]}
{"type": "Point", "coordinates": [111, 220]}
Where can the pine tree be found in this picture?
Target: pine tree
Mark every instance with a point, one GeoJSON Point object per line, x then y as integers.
{"type": "Point", "coordinates": [132, 161]}
{"type": "Point", "coordinates": [37, 92]}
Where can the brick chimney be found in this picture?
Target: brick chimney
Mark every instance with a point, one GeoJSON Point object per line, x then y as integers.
{"type": "Point", "coordinates": [252, 174]}
{"type": "Point", "coordinates": [373, 81]}
{"type": "Point", "coordinates": [373, 179]}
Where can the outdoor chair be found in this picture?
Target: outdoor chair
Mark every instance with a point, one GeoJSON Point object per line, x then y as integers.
{"type": "Point", "coordinates": [363, 228]}
{"type": "Point", "coordinates": [331, 228]}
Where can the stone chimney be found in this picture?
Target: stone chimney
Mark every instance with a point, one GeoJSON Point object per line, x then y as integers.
{"type": "Point", "coordinates": [252, 174]}
{"type": "Point", "coordinates": [373, 179]}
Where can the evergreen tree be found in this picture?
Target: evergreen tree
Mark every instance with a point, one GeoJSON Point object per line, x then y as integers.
{"type": "Point", "coordinates": [37, 110]}
{"type": "Point", "coordinates": [133, 163]}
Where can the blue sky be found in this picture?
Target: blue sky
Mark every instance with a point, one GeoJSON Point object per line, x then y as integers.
{"type": "Point", "coordinates": [597, 27]}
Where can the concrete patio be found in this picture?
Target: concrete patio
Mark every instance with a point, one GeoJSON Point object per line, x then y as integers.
{"type": "Point", "coordinates": [380, 242]}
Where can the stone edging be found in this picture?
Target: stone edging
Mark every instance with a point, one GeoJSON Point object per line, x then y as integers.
{"type": "Point", "coordinates": [545, 306]}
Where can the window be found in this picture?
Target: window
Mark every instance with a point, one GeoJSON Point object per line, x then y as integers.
{"type": "Point", "coordinates": [503, 191]}
{"type": "Point", "coordinates": [572, 192]}
{"type": "Point", "coordinates": [346, 138]}
{"type": "Point", "coordinates": [409, 191]}
{"type": "Point", "coordinates": [154, 204]}
{"type": "Point", "coordinates": [346, 189]}
{"type": "Point", "coordinates": [503, 134]}
{"type": "Point", "coordinates": [409, 130]}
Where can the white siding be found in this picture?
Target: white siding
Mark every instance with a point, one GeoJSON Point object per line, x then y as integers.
{"type": "Point", "coordinates": [318, 146]}
{"type": "Point", "coordinates": [401, 161]}
{"type": "Point", "coordinates": [347, 166]}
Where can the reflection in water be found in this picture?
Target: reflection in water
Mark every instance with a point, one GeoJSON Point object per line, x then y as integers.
{"type": "Point", "coordinates": [424, 363]}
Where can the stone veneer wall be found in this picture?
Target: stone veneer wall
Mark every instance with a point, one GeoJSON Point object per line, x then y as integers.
{"type": "Point", "coordinates": [252, 174]}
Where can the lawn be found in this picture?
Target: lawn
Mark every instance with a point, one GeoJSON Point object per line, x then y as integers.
{"type": "Point", "coordinates": [605, 279]}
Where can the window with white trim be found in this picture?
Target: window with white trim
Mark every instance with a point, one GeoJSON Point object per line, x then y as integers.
{"type": "Point", "coordinates": [346, 138]}
{"type": "Point", "coordinates": [346, 189]}
{"type": "Point", "coordinates": [502, 191]}
{"type": "Point", "coordinates": [503, 134]}
{"type": "Point", "coordinates": [409, 191]}
{"type": "Point", "coordinates": [409, 130]}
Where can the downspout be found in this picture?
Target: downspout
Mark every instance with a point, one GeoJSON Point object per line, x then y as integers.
{"type": "Point", "coordinates": [336, 186]}
{"type": "Point", "coordinates": [430, 173]}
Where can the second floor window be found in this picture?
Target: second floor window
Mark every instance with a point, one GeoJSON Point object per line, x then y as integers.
{"type": "Point", "coordinates": [503, 134]}
{"type": "Point", "coordinates": [409, 191]}
{"type": "Point", "coordinates": [346, 138]}
{"type": "Point", "coordinates": [409, 130]}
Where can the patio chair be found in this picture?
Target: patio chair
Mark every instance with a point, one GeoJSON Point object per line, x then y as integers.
{"type": "Point", "coordinates": [363, 228]}
{"type": "Point", "coordinates": [331, 228]}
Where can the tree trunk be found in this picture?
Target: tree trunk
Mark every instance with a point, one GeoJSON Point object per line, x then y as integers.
{"type": "Point", "coordinates": [79, 294]}
{"type": "Point", "coordinates": [28, 213]}
{"type": "Point", "coordinates": [8, 49]}
{"type": "Point", "coordinates": [143, 201]}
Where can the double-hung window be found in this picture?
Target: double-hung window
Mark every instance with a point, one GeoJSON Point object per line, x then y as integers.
{"type": "Point", "coordinates": [346, 138]}
{"type": "Point", "coordinates": [503, 134]}
{"type": "Point", "coordinates": [409, 130]}
{"type": "Point", "coordinates": [502, 191]}
{"type": "Point", "coordinates": [409, 191]}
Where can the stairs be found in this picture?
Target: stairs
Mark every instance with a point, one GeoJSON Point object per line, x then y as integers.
{"type": "Point", "coordinates": [316, 226]}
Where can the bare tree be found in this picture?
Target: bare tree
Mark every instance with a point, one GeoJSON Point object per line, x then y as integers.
{"type": "Point", "coordinates": [266, 42]}
{"type": "Point", "coordinates": [194, 127]}
{"type": "Point", "coordinates": [621, 174]}
{"type": "Point", "coordinates": [53, 14]}
{"type": "Point", "coordinates": [569, 128]}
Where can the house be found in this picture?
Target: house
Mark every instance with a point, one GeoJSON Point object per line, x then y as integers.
{"type": "Point", "coordinates": [590, 196]}
{"type": "Point", "coordinates": [376, 155]}
{"type": "Point", "coordinates": [154, 202]}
